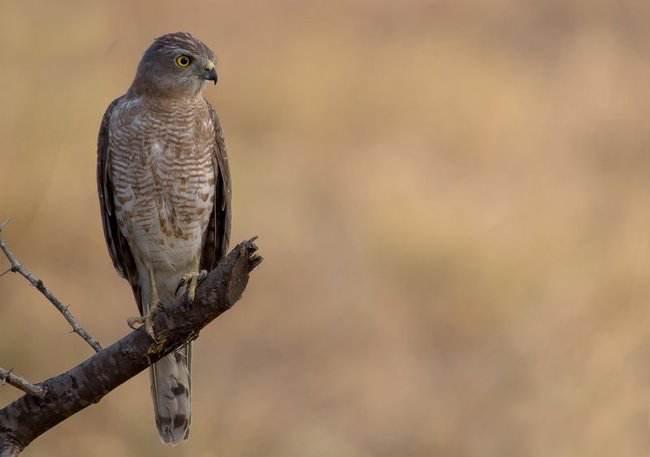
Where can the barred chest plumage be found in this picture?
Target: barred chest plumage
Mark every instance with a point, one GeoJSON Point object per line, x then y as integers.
{"type": "Point", "coordinates": [163, 176]}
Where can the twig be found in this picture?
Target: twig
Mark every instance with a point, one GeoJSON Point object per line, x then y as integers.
{"type": "Point", "coordinates": [16, 267]}
{"type": "Point", "coordinates": [20, 383]}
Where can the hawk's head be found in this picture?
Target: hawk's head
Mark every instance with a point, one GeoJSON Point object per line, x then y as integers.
{"type": "Point", "coordinates": [175, 65]}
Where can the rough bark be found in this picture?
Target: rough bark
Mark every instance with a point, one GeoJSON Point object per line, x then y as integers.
{"type": "Point", "coordinates": [68, 393]}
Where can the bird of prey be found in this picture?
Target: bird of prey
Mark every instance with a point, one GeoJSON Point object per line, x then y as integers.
{"type": "Point", "coordinates": [164, 193]}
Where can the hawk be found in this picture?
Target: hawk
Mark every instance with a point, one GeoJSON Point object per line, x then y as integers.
{"type": "Point", "coordinates": [164, 193]}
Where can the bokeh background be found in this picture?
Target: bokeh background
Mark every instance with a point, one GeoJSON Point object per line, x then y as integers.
{"type": "Point", "coordinates": [452, 198]}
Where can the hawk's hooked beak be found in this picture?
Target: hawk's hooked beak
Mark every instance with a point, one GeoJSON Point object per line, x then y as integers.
{"type": "Point", "coordinates": [210, 72]}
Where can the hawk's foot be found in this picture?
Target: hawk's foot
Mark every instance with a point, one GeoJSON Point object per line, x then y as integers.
{"type": "Point", "coordinates": [191, 280]}
{"type": "Point", "coordinates": [147, 320]}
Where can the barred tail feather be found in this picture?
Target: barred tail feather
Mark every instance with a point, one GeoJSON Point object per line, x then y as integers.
{"type": "Point", "coordinates": [171, 389]}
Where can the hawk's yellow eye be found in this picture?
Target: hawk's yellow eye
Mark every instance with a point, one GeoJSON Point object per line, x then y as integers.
{"type": "Point", "coordinates": [183, 61]}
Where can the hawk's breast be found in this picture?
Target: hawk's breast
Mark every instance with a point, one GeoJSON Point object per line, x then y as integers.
{"type": "Point", "coordinates": [164, 183]}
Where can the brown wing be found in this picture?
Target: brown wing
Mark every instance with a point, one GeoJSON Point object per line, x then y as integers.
{"type": "Point", "coordinates": [118, 247]}
{"type": "Point", "coordinates": [217, 235]}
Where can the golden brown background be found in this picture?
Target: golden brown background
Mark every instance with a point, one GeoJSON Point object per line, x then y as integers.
{"type": "Point", "coordinates": [453, 202]}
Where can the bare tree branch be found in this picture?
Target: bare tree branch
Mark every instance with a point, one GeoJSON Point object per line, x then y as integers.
{"type": "Point", "coordinates": [16, 267]}
{"type": "Point", "coordinates": [68, 393]}
{"type": "Point", "coordinates": [20, 383]}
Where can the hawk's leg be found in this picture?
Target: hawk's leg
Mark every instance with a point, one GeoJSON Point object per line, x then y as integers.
{"type": "Point", "coordinates": [191, 280]}
{"type": "Point", "coordinates": [151, 311]}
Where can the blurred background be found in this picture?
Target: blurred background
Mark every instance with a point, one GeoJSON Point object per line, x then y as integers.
{"type": "Point", "coordinates": [452, 200]}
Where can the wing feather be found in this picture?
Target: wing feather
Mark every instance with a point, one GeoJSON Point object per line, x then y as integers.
{"type": "Point", "coordinates": [118, 247]}
{"type": "Point", "coordinates": [217, 235]}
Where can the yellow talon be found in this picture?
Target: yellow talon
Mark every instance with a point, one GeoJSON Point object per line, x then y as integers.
{"type": "Point", "coordinates": [150, 313]}
{"type": "Point", "coordinates": [191, 280]}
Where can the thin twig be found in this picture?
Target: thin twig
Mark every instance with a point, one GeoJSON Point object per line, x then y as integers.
{"type": "Point", "coordinates": [20, 383]}
{"type": "Point", "coordinates": [16, 267]}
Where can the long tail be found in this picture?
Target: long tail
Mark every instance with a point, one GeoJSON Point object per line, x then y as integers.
{"type": "Point", "coordinates": [171, 389]}
{"type": "Point", "coordinates": [171, 377]}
